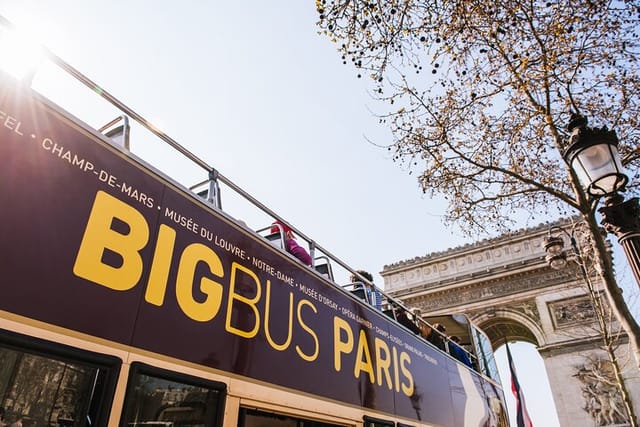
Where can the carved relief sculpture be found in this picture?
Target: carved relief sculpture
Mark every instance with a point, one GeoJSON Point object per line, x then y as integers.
{"type": "Point", "coordinates": [572, 312]}
{"type": "Point", "coordinates": [602, 400]}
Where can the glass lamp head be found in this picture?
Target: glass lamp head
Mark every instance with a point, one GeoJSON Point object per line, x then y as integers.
{"type": "Point", "coordinates": [593, 155]}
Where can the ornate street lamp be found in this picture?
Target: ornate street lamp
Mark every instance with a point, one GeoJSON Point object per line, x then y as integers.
{"type": "Point", "coordinates": [554, 247]}
{"type": "Point", "coordinates": [556, 255]}
{"type": "Point", "coordinates": [593, 155]}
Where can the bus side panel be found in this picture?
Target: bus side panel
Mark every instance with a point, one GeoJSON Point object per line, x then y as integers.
{"type": "Point", "coordinates": [430, 400]}
{"type": "Point", "coordinates": [467, 393]}
{"type": "Point", "coordinates": [91, 244]}
{"type": "Point", "coordinates": [96, 242]}
{"type": "Point", "coordinates": [496, 404]}
{"type": "Point", "coordinates": [255, 313]}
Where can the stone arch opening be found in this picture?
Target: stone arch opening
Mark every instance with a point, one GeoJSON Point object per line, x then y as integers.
{"type": "Point", "coordinates": [505, 326]}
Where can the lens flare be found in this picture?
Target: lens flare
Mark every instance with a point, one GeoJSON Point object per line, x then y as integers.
{"type": "Point", "coordinates": [20, 55]}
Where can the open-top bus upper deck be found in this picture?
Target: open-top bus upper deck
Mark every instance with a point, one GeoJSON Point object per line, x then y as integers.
{"type": "Point", "coordinates": [101, 247]}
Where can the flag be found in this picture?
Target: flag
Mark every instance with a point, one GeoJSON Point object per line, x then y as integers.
{"type": "Point", "coordinates": [522, 415]}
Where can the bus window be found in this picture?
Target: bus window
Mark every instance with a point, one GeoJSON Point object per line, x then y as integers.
{"type": "Point", "coordinates": [377, 422]}
{"type": "Point", "coordinates": [484, 351]}
{"type": "Point", "coordinates": [256, 418]}
{"type": "Point", "coordinates": [157, 397]}
{"type": "Point", "coordinates": [44, 383]}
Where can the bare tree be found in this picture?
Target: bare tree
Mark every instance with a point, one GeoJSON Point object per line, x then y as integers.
{"type": "Point", "coordinates": [604, 385]}
{"type": "Point", "coordinates": [479, 94]}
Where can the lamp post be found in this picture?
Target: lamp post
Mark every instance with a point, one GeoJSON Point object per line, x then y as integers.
{"type": "Point", "coordinates": [593, 155]}
{"type": "Point", "coordinates": [556, 255]}
{"type": "Point", "coordinates": [557, 259]}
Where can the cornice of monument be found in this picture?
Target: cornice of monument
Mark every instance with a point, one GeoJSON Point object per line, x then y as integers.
{"type": "Point", "coordinates": [577, 345]}
{"type": "Point", "coordinates": [502, 273]}
{"type": "Point", "coordinates": [520, 234]}
{"type": "Point", "coordinates": [496, 288]}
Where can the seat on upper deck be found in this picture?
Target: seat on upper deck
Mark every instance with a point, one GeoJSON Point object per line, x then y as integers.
{"type": "Point", "coordinates": [358, 289]}
{"type": "Point", "coordinates": [276, 240]}
{"type": "Point", "coordinates": [323, 267]}
{"type": "Point", "coordinates": [118, 133]}
{"type": "Point", "coordinates": [389, 312]}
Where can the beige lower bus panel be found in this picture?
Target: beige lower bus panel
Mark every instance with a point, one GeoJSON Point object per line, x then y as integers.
{"type": "Point", "coordinates": [240, 393]}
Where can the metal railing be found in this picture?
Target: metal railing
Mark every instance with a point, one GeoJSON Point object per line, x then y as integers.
{"type": "Point", "coordinates": [394, 307]}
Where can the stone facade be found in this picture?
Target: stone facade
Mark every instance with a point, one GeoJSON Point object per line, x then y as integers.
{"type": "Point", "coordinates": [506, 287]}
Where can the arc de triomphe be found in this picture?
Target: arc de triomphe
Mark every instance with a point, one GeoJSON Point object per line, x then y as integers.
{"type": "Point", "coordinates": [506, 287]}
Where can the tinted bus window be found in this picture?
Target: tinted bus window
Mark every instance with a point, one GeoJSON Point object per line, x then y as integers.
{"type": "Point", "coordinates": [256, 418]}
{"type": "Point", "coordinates": [44, 385]}
{"type": "Point", "coordinates": [377, 422]}
{"type": "Point", "coordinates": [163, 398]}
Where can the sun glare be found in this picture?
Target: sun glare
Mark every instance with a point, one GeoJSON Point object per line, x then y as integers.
{"type": "Point", "coordinates": [20, 54]}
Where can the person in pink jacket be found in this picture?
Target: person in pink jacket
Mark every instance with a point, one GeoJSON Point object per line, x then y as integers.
{"type": "Point", "coordinates": [290, 243]}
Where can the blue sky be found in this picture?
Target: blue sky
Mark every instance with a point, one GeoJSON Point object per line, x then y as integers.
{"type": "Point", "coordinates": [252, 89]}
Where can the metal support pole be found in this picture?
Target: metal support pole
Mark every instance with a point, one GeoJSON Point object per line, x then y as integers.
{"type": "Point", "coordinates": [214, 196]}
{"type": "Point", "coordinates": [622, 218]}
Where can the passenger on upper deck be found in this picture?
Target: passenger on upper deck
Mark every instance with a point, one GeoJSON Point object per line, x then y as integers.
{"type": "Point", "coordinates": [456, 350]}
{"type": "Point", "coordinates": [405, 318]}
{"type": "Point", "coordinates": [290, 243]}
{"type": "Point", "coordinates": [435, 335]}
{"type": "Point", "coordinates": [373, 295]}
